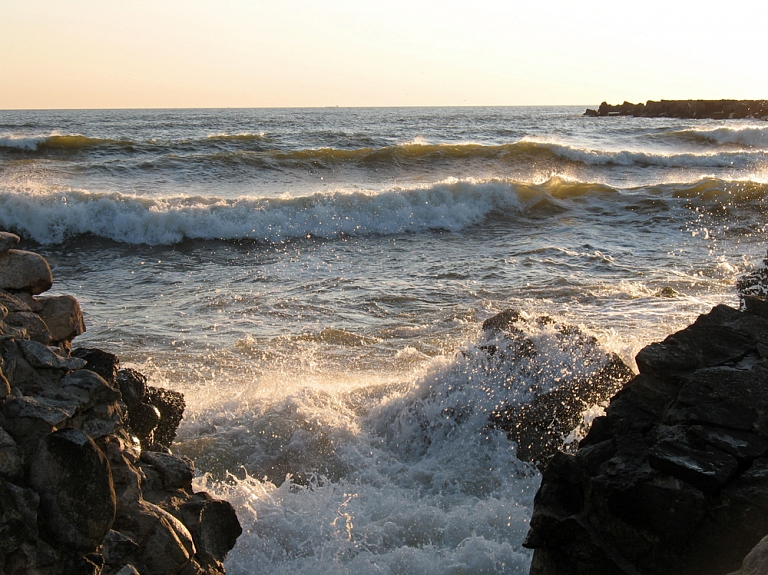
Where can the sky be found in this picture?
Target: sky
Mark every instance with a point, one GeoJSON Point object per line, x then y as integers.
{"type": "Point", "coordinates": [288, 53]}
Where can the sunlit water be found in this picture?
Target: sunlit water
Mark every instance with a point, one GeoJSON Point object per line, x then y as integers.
{"type": "Point", "coordinates": [314, 281]}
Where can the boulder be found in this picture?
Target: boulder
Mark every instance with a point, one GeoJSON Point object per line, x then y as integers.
{"type": "Point", "coordinates": [63, 316]}
{"type": "Point", "coordinates": [175, 472]}
{"type": "Point", "coordinates": [101, 362]}
{"type": "Point", "coordinates": [673, 480]}
{"type": "Point", "coordinates": [74, 481]}
{"type": "Point", "coordinates": [541, 425]}
{"type": "Point", "coordinates": [213, 524]}
{"type": "Point", "coordinates": [33, 327]}
{"type": "Point", "coordinates": [40, 356]}
{"type": "Point", "coordinates": [7, 241]}
{"type": "Point", "coordinates": [12, 302]}
{"type": "Point", "coordinates": [171, 406]}
{"type": "Point", "coordinates": [24, 271]}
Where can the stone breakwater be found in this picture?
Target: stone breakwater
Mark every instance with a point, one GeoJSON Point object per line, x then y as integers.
{"type": "Point", "coordinates": [693, 109]}
{"type": "Point", "coordinates": [88, 485]}
{"type": "Point", "coordinates": [673, 480]}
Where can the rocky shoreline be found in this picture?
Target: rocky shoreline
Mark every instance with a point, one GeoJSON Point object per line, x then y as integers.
{"type": "Point", "coordinates": [88, 485]}
{"type": "Point", "coordinates": [673, 480]}
{"type": "Point", "coordinates": [691, 109]}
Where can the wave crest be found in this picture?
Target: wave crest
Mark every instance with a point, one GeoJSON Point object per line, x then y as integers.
{"type": "Point", "coordinates": [53, 216]}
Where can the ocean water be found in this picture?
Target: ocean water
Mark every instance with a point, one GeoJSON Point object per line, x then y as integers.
{"type": "Point", "coordinates": [314, 281]}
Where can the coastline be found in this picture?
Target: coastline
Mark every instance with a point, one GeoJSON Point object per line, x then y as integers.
{"type": "Point", "coordinates": [88, 484]}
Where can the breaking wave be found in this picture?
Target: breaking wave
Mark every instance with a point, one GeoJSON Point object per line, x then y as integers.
{"type": "Point", "coordinates": [52, 216]}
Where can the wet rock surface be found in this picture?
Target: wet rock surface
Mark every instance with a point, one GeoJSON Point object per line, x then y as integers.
{"type": "Point", "coordinates": [80, 490]}
{"type": "Point", "coordinates": [674, 478]}
{"type": "Point", "coordinates": [541, 426]}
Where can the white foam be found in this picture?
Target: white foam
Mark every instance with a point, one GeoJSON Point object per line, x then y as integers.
{"type": "Point", "coordinates": [720, 159]}
{"type": "Point", "coordinates": [22, 142]}
{"type": "Point", "coordinates": [750, 136]}
{"type": "Point", "coordinates": [51, 216]}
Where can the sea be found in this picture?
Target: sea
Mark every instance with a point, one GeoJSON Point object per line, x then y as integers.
{"type": "Point", "coordinates": [315, 280]}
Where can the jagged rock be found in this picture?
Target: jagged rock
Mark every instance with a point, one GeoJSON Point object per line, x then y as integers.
{"type": "Point", "coordinates": [63, 316]}
{"type": "Point", "coordinates": [74, 481]}
{"type": "Point", "coordinates": [28, 419]}
{"type": "Point", "coordinates": [11, 467]}
{"type": "Point", "coordinates": [18, 516]}
{"type": "Point", "coordinates": [673, 480]}
{"type": "Point", "coordinates": [7, 241]}
{"type": "Point", "coordinates": [539, 427]}
{"type": "Point", "coordinates": [712, 109]}
{"type": "Point", "coordinates": [33, 304]}
{"type": "Point", "coordinates": [104, 363]}
{"type": "Point", "coordinates": [117, 547]}
{"type": "Point", "coordinates": [176, 472]}
{"type": "Point", "coordinates": [171, 406]}
{"type": "Point", "coordinates": [166, 546]}
{"type": "Point", "coordinates": [42, 357]}
{"type": "Point", "coordinates": [24, 271]}
{"type": "Point", "coordinates": [34, 327]}
{"type": "Point", "coordinates": [213, 524]}
{"type": "Point", "coordinates": [12, 303]}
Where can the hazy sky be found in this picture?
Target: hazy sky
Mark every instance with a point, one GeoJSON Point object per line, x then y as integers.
{"type": "Point", "coordinates": [254, 53]}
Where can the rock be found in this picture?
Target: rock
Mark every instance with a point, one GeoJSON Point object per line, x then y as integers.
{"type": "Point", "coordinates": [24, 271]}
{"type": "Point", "coordinates": [540, 427]}
{"type": "Point", "coordinates": [756, 562]}
{"type": "Point", "coordinates": [12, 303]}
{"type": "Point", "coordinates": [167, 546]}
{"type": "Point", "coordinates": [33, 326]}
{"type": "Point", "coordinates": [77, 496]}
{"type": "Point", "coordinates": [176, 472]}
{"type": "Point", "coordinates": [673, 480]}
{"type": "Point", "coordinates": [42, 357]}
{"type": "Point", "coordinates": [11, 467]}
{"type": "Point", "coordinates": [63, 317]}
{"type": "Point", "coordinates": [101, 362]}
{"type": "Point", "coordinates": [28, 419]}
{"type": "Point", "coordinates": [7, 241]}
{"type": "Point", "coordinates": [18, 516]}
{"type": "Point", "coordinates": [213, 524]}
{"type": "Point", "coordinates": [30, 300]}
{"type": "Point", "coordinates": [712, 109]}
{"type": "Point", "coordinates": [171, 406]}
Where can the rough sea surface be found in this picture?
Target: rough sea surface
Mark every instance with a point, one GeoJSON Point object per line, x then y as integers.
{"type": "Point", "coordinates": [314, 281]}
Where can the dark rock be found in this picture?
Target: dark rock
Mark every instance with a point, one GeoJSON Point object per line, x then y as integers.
{"type": "Point", "coordinates": [18, 516]}
{"type": "Point", "coordinates": [33, 326]}
{"type": "Point", "coordinates": [12, 303]}
{"type": "Point", "coordinates": [77, 496]}
{"type": "Point", "coordinates": [213, 524]}
{"type": "Point", "coordinates": [707, 470]}
{"type": "Point", "coordinates": [176, 472]}
{"type": "Point", "coordinates": [7, 241]}
{"type": "Point", "coordinates": [539, 427]}
{"type": "Point", "coordinates": [132, 384]}
{"type": "Point", "coordinates": [171, 406]}
{"type": "Point", "coordinates": [673, 480]}
{"type": "Point", "coordinates": [712, 109]}
{"type": "Point", "coordinates": [104, 363]}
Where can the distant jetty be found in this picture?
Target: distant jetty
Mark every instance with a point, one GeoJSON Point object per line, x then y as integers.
{"type": "Point", "coordinates": [693, 109]}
